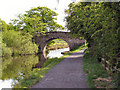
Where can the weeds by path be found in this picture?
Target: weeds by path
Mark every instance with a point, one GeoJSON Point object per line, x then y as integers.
{"type": "Point", "coordinates": [98, 77]}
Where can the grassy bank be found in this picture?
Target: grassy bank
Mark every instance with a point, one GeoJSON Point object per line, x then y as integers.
{"type": "Point", "coordinates": [38, 73]}
{"type": "Point", "coordinates": [57, 44]}
{"type": "Point", "coordinates": [82, 46]}
{"type": "Point", "coordinates": [98, 77]}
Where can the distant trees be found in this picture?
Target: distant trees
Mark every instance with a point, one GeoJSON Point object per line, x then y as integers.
{"type": "Point", "coordinates": [14, 42]}
{"type": "Point", "coordinates": [39, 19]}
{"type": "Point", "coordinates": [17, 36]}
{"type": "Point", "coordinates": [98, 23]}
{"type": "Point", "coordinates": [21, 44]}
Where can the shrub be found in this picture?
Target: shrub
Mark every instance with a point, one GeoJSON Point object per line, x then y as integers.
{"type": "Point", "coordinates": [5, 50]}
{"type": "Point", "coordinates": [19, 43]}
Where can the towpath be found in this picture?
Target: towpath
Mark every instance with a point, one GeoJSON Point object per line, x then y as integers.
{"type": "Point", "coordinates": [67, 74]}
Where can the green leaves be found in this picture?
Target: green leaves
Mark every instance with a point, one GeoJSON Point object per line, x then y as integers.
{"type": "Point", "coordinates": [15, 42]}
{"type": "Point", "coordinates": [39, 19]}
{"type": "Point", "coordinates": [11, 38]}
{"type": "Point", "coordinates": [3, 25]}
{"type": "Point", "coordinates": [17, 37]}
{"type": "Point", "coordinates": [12, 67]}
{"type": "Point", "coordinates": [98, 23]}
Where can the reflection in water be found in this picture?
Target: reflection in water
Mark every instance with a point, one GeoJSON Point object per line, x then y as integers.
{"type": "Point", "coordinates": [16, 68]}
{"type": "Point", "coordinates": [41, 61]}
{"type": "Point", "coordinates": [12, 67]}
{"type": "Point", "coordinates": [7, 83]}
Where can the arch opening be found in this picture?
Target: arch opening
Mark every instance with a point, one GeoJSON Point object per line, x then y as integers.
{"type": "Point", "coordinates": [54, 47]}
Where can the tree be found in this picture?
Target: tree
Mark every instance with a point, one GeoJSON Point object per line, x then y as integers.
{"type": "Point", "coordinates": [40, 19]}
{"type": "Point", "coordinates": [3, 25]}
{"type": "Point", "coordinates": [18, 43]}
{"type": "Point", "coordinates": [98, 23]}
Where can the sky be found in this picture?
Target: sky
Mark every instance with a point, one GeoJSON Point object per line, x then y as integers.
{"type": "Point", "coordinates": [10, 9]}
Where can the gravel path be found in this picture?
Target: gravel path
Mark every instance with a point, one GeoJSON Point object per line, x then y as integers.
{"type": "Point", "coordinates": [67, 74]}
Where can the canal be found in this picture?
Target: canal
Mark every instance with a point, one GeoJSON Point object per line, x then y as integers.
{"type": "Point", "coordinates": [16, 68]}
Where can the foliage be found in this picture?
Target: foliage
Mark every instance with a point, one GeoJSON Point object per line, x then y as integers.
{"type": "Point", "coordinates": [6, 51]}
{"type": "Point", "coordinates": [18, 43]}
{"type": "Point", "coordinates": [57, 44]}
{"type": "Point", "coordinates": [3, 25]}
{"type": "Point", "coordinates": [27, 46]}
{"type": "Point", "coordinates": [17, 67]}
{"type": "Point", "coordinates": [39, 19]}
{"type": "Point", "coordinates": [97, 77]}
{"type": "Point", "coordinates": [98, 23]}
{"type": "Point", "coordinates": [82, 46]}
{"type": "Point", "coordinates": [11, 38]}
{"type": "Point", "coordinates": [17, 36]}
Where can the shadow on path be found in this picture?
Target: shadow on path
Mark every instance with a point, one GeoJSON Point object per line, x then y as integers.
{"type": "Point", "coordinates": [67, 74]}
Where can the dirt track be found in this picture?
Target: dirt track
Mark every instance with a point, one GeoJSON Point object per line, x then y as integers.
{"type": "Point", "coordinates": [67, 74]}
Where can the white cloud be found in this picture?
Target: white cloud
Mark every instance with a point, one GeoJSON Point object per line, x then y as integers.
{"type": "Point", "coordinates": [9, 9]}
{"type": "Point", "coordinates": [63, 4]}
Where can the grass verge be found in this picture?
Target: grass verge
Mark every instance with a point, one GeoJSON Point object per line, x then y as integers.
{"type": "Point", "coordinates": [38, 73]}
{"type": "Point", "coordinates": [82, 46]}
{"type": "Point", "coordinates": [98, 77]}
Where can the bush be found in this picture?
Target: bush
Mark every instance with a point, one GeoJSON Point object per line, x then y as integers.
{"type": "Point", "coordinates": [19, 43]}
{"type": "Point", "coordinates": [12, 39]}
{"type": "Point", "coordinates": [5, 50]}
{"type": "Point", "coordinates": [27, 46]}
{"type": "Point", "coordinates": [98, 24]}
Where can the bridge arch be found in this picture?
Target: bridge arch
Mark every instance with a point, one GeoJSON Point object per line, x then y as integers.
{"type": "Point", "coordinates": [50, 39]}
{"type": "Point", "coordinates": [58, 44]}
{"type": "Point", "coordinates": [42, 40]}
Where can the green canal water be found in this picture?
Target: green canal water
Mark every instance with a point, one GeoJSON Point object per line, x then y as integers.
{"type": "Point", "coordinates": [16, 68]}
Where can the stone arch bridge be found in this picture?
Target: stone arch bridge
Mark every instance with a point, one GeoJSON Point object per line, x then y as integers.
{"type": "Point", "coordinates": [42, 40]}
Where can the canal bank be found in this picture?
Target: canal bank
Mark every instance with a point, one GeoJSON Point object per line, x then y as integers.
{"type": "Point", "coordinates": [38, 73]}
{"type": "Point", "coordinates": [67, 74]}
